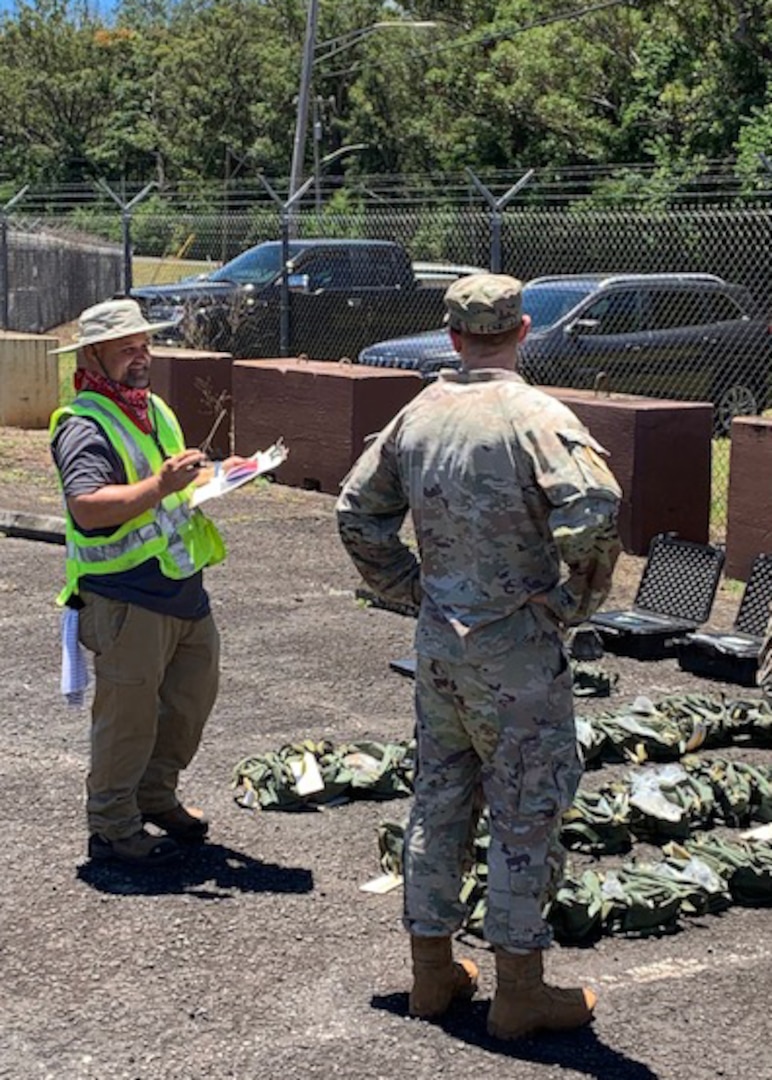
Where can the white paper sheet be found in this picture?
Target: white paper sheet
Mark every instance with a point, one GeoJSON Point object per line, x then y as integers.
{"type": "Point", "coordinates": [263, 461]}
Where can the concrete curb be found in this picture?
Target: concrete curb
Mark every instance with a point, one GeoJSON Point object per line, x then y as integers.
{"type": "Point", "coordinates": [32, 526]}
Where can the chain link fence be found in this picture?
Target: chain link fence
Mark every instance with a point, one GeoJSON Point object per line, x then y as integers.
{"type": "Point", "coordinates": [703, 335]}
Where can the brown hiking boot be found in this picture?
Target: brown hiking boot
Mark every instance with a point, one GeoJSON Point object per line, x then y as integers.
{"type": "Point", "coordinates": [186, 825]}
{"type": "Point", "coordinates": [437, 979]}
{"type": "Point", "coordinates": [524, 1004]}
{"type": "Point", "coordinates": [139, 849]}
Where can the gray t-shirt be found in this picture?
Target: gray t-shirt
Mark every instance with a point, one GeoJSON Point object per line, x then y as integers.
{"type": "Point", "coordinates": [86, 462]}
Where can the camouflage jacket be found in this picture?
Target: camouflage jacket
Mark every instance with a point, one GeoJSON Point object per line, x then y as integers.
{"type": "Point", "coordinates": [503, 483]}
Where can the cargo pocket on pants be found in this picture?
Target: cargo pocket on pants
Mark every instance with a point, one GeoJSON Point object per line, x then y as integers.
{"type": "Point", "coordinates": [104, 626]}
{"type": "Point", "coordinates": [550, 759]}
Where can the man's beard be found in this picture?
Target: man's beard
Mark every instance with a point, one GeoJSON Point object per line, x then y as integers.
{"type": "Point", "coordinates": [138, 379]}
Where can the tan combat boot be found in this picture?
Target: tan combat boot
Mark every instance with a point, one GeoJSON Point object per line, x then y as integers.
{"type": "Point", "coordinates": [524, 1004]}
{"type": "Point", "coordinates": [437, 978]}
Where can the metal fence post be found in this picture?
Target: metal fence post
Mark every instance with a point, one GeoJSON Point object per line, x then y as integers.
{"type": "Point", "coordinates": [5, 294]}
{"type": "Point", "coordinates": [4, 270]}
{"type": "Point", "coordinates": [128, 277]}
{"type": "Point", "coordinates": [496, 220]}
{"type": "Point", "coordinates": [126, 208]}
{"type": "Point", "coordinates": [497, 205]}
{"type": "Point", "coordinates": [285, 329]}
{"type": "Point", "coordinates": [287, 226]}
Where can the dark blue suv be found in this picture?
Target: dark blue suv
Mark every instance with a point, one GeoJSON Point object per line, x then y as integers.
{"type": "Point", "coordinates": [688, 337]}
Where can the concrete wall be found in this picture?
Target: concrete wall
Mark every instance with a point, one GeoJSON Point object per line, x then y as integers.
{"type": "Point", "coordinates": [749, 515]}
{"type": "Point", "coordinates": [198, 386]}
{"type": "Point", "coordinates": [29, 380]}
{"type": "Point", "coordinates": [52, 278]}
{"type": "Point", "coordinates": [660, 453]}
{"type": "Point", "coordinates": [323, 411]}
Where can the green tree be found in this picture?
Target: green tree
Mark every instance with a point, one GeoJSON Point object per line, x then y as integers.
{"type": "Point", "coordinates": [512, 89]}
{"type": "Point", "coordinates": [702, 69]}
{"type": "Point", "coordinates": [198, 91]}
{"type": "Point", "coordinates": [57, 82]}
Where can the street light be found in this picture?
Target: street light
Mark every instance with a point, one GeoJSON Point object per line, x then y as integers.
{"type": "Point", "coordinates": [319, 164]}
{"type": "Point", "coordinates": [343, 41]}
{"type": "Point", "coordinates": [313, 51]}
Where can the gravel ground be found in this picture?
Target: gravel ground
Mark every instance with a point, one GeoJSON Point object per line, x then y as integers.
{"type": "Point", "coordinates": [261, 956]}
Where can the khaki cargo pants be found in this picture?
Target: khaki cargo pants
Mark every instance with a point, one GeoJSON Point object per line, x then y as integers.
{"type": "Point", "coordinates": [156, 683]}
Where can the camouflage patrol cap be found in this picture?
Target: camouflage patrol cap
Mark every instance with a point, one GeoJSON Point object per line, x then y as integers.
{"type": "Point", "coordinates": [484, 303]}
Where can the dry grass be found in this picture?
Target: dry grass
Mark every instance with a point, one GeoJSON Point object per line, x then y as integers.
{"type": "Point", "coordinates": [719, 485]}
{"type": "Point", "coordinates": [146, 271]}
{"type": "Point", "coordinates": [25, 458]}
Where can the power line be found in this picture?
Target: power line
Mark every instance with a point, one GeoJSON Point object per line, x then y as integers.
{"type": "Point", "coordinates": [488, 37]}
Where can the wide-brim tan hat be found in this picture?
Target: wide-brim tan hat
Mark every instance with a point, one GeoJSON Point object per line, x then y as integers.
{"type": "Point", "coordinates": [110, 320]}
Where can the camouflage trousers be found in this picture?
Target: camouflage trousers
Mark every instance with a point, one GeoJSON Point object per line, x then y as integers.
{"type": "Point", "coordinates": [499, 732]}
{"type": "Point", "coordinates": [764, 676]}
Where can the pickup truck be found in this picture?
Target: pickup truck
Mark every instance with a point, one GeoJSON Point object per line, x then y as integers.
{"type": "Point", "coordinates": [343, 294]}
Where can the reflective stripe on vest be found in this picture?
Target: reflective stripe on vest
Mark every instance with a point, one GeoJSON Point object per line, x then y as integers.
{"type": "Point", "coordinates": [129, 447]}
{"type": "Point", "coordinates": [181, 538]}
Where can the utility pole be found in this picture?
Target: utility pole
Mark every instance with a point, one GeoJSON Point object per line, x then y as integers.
{"type": "Point", "coordinates": [317, 138]}
{"type": "Point", "coordinates": [330, 48]}
{"type": "Point", "coordinates": [304, 93]}
{"type": "Point", "coordinates": [226, 206]}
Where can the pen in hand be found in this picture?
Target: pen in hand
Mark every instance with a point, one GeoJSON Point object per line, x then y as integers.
{"type": "Point", "coordinates": [202, 463]}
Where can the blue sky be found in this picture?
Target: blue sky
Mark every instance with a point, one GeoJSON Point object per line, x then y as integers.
{"type": "Point", "coordinates": [103, 7]}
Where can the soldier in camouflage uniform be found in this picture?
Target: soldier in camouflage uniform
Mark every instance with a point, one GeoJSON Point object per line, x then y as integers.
{"type": "Point", "coordinates": [503, 484]}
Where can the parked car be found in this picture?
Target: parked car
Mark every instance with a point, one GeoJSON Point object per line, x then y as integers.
{"type": "Point", "coordinates": [343, 293]}
{"type": "Point", "coordinates": [690, 337]}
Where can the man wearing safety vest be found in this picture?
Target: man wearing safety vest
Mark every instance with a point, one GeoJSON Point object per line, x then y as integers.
{"type": "Point", "coordinates": [136, 551]}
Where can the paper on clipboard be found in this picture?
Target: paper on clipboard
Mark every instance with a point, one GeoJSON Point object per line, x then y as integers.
{"type": "Point", "coordinates": [263, 461]}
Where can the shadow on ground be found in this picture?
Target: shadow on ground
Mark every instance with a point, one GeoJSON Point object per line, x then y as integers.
{"type": "Point", "coordinates": [582, 1051]}
{"type": "Point", "coordinates": [208, 872]}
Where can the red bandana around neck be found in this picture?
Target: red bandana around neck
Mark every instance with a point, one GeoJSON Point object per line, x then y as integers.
{"type": "Point", "coordinates": [132, 401]}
